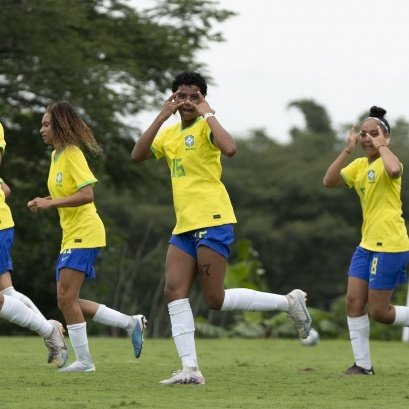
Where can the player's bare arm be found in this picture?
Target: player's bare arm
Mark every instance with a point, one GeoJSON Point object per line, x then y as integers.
{"type": "Point", "coordinates": [141, 149]}
{"type": "Point", "coordinates": [221, 138]}
{"type": "Point", "coordinates": [333, 176]}
{"type": "Point", "coordinates": [80, 197]}
{"type": "Point", "coordinates": [390, 160]}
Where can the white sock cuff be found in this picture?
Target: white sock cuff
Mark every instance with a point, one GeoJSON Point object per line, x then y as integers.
{"type": "Point", "coordinates": [178, 306]}
{"type": "Point", "coordinates": [401, 316]}
{"type": "Point", "coordinates": [8, 291]}
{"type": "Point", "coordinates": [76, 326]}
{"type": "Point", "coordinates": [357, 323]}
{"type": "Point", "coordinates": [99, 312]}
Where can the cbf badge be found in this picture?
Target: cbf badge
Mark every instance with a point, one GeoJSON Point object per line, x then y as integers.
{"type": "Point", "coordinates": [371, 175]}
{"type": "Point", "coordinates": [58, 179]}
{"type": "Point", "coordinates": [189, 141]}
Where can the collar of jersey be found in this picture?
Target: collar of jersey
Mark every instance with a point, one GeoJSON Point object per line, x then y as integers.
{"type": "Point", "coordinates": [193, 123]}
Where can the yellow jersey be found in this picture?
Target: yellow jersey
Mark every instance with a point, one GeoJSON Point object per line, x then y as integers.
{"type": "Point", "coordinates": [199, 196]}
{"type": "Point", "coordinates": [383, 227]}
{"type": "Point", "coordinates": [2, 139]}
{"type": "Point", "coordinates": [81, 225]}
{"type": "Point", "coordinates": [6, 219]}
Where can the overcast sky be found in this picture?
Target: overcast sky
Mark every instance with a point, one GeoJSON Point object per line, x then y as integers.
{"type": "Point", "coordinates": [346, 55]}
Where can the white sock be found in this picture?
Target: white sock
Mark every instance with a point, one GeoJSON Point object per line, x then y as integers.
{"type": "Point", "coordinates": [113, 318]}
{"type": "Point", "coordinates": [401, 316]}
{"type": "Point", "coordinates": [23, 298]}
{"type": "Point", "coordinates": [244, 299]}
{"type": "Point", "coordinates": [15, 311]}
{"type": "Point", "coordinates": [183, 331]}
{"type": "Point", "coordinates": [79, 342]}
{"type": "Point", "coordinates": [359, 335]}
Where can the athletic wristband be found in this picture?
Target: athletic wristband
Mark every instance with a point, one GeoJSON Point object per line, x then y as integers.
{"type": "Point", "coordinates": [208, 115]}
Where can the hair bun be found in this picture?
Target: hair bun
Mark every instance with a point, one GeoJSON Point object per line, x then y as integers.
{"type": "Point", "coordinates": [377, 112]}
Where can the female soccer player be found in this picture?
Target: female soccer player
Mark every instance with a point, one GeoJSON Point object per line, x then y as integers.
{"type": "Point", "coordinates": [15, 307]}
{"type": "Point", "coordinates": [200, 243]}
{"type": "Point", "coordinates": [378, 263]}
{"type": "Point", "coordinates": [71, 183]}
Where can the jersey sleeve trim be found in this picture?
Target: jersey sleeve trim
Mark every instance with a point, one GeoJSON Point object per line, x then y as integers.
{"type": "Point", "coordinates": [91, 182]}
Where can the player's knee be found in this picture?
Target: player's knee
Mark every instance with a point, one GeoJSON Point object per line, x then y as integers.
{"type": "Point", "coordinates": [354, 306]}
{"type": "Point", "coordinates": [63, 300]}
{"type": "Point", "coordinates": [172, 293]}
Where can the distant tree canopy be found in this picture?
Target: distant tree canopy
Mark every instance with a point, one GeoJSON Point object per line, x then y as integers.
{"type": "Point", "coordinates": [111, 61]}
{"type": "Point", "coordinates": [108, 59]}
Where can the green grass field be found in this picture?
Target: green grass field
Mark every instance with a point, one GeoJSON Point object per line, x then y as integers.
{"type": "Point", "coordinates": [239, 374]}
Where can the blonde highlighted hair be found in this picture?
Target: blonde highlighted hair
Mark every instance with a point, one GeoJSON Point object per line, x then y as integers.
{"type": "Point", "coordinates": [70, 129]}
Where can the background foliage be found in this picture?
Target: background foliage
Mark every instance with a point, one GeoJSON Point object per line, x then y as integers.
{"type": "Point", "coordinates": [112, 61]}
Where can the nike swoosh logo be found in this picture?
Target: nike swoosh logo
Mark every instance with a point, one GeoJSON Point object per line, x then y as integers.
{"type": "Point", "coordinates": [64, 258]}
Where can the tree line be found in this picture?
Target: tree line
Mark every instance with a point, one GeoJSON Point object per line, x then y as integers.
{"type": "Point", "coordinates": [112, 61]}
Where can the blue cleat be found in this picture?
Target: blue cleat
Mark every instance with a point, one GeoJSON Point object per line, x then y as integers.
{"type": "Point", "coordinates": [138, 324]}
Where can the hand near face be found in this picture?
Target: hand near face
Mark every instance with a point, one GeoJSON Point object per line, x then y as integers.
{"type": "Point", "coordinates": [380, 139]}
{"type": "Point", "coordinates": [202, 107]}
{"type": "Point", "coordinates": [170, 106]}
{"type": "Point", "coordinates": [352, 139]}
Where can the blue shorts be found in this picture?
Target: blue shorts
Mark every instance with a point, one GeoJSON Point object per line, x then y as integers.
{"type": "Point", "coordinates": [6, 244]}
{"type": "Point", "coordinates": [217, 238]}
{"type": "Point", "coordinates": [383, 271]}
{"type": "Point", "coordinates": [78, 259]}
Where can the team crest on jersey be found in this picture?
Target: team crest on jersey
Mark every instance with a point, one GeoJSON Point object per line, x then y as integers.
{"type": "Point", "coordinates": [58, 179]}
{"type": "Point", "coordinates": [189, 141]}
{"type": "Point", "coordinates": [371, 175]}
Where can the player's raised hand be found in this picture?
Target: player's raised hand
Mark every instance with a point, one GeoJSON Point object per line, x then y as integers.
{"type": "Point", "coordinates": [380, 139]}
{"type": "Point", "coordinates": [170, 106]}
{"type": "Point", "coordinates": [202, 107]}
{"type": "Point", "coordinates": [352, 139]}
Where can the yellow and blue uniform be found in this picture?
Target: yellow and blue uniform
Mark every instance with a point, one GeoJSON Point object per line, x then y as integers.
{"type": "Point", "coordinates": [199, 196]}
{"type": "Point", "coordinates": [83, 230]}
{"type": "Point", "coordinates": [6, 234]}
{"type": "Point", "coordinates": [384, 248]}
{"type": "Point", "coordinates": [200, 199]}
{"type": "Point", "coordinates": [6, 222]}
{"type": "Point", "coordinates": [81, 225]}
{"type": "Point", "coordinates": [6, 219]}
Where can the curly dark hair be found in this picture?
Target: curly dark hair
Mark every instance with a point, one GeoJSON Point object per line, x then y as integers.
{"type": "Point", "coordinates": [190, 78]}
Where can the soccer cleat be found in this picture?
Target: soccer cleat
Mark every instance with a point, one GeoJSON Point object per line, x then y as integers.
{"type": "Point", "coordinates": [185, 376]}
{"type": "Point", "coordinates": [298, 313]}
{"type": "Point", "coordinates": [78, 366]}
{"type": "Point", "coordinates": [135, 331]}
{"type": "Point", "coordinates": [57, 348]}
{"type": "Point", "coordinates": [358, 370]}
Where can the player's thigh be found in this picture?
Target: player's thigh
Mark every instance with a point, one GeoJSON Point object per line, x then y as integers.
{"type": "Point", "coordinates": [211, 271]}
{"type": "Point", "coordinates": [180, 273]}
